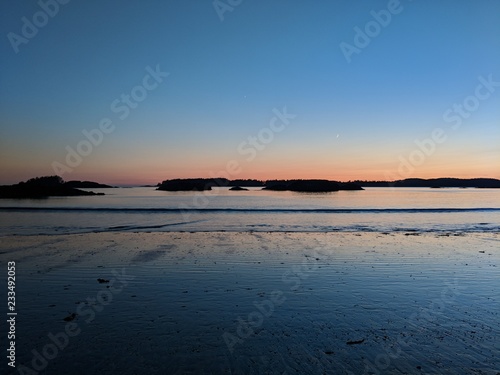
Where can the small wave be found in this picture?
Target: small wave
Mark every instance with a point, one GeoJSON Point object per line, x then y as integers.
{"type": "Point", "coordinates": [251, 210]}
{"type": "Point", "coordinates": [120, 228]}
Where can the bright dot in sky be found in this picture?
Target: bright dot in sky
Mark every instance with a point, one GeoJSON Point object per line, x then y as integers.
{"type": "Point", "coordinates": [338, 135]}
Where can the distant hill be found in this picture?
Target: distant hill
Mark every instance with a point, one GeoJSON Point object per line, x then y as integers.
{"type": "Point", "coordinates": [238, 188]}
{"type": "Point", "coordinates": [188, 184]}
{"type": "Point", "coordinates": [41, 187]}
{"type": "Point", "coordinates": [316, 185]}
{"type": "Point", "coordinates": [483, 183]}
{"type": "Point", "coordinates": [310, 186]}
{"type": "Point", "coordinates": [201, 184]}
{"type": "Point", "coordinates": [246, 183]}
{"type": "Point", "coordinates": [86, 185]}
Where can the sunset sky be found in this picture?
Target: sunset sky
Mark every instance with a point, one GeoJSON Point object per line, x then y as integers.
{"type": "Point", "coordinates": [361, 84]}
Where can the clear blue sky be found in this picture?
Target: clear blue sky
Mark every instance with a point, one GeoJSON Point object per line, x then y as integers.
{"type": "Point", "coordinates": [357, 119]}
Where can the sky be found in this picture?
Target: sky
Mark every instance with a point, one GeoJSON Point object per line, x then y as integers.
{"type": "Point", "coordinates": [138, 92]}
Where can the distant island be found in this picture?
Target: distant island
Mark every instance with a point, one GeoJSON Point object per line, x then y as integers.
{"type": "Point", "coordinates": [319, 185]}
{"type": "Point", "coordinates": [86, 185]}
{"type": "Point", "coordinates": [51, 186]}
{"type": "Point", "coordinates": [311, 186]}
{"type": "Point", "coordinates": [238, 188]}
{"type": "Point", "coordinates": [201, 184]}
{"type": "Point", "coordinates": [42, 187]}
{"type": "Point", "coordinates": [447, 182]}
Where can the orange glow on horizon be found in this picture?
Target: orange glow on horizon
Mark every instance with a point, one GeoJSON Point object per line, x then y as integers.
{"type": "Point", "coordinates": [140, 172]}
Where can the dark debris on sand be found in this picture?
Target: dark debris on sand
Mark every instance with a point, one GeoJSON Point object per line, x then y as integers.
{"type": "Point", "coordinates": [70, 317]}
{"type": "Point", "coordinates": [355, 342]}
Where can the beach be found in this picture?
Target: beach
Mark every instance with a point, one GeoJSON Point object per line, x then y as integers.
{"type": "Point", "coordinates": [256, 302]}
{"type": "Point", "coordinates": [250, 187]}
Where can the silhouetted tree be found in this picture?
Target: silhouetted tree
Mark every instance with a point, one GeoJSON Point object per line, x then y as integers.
{"type": "Point", "coordinates": [45, 181]}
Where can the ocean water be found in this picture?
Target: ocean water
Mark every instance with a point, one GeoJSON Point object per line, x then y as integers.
{"type": "Point", "coordinates": [425, 304]}
{"type": "Point", "coordinates": [145, 209]}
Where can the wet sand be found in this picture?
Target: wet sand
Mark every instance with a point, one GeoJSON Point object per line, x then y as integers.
{"type": "Point", "coordinates": [256, 303]}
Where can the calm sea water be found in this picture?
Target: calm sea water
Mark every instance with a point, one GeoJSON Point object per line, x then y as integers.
{"type": "Point", "coordinates": [146, 209]}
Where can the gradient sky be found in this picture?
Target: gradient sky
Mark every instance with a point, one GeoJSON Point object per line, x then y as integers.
{"type": "Point", "coordinates": [354, 120]}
